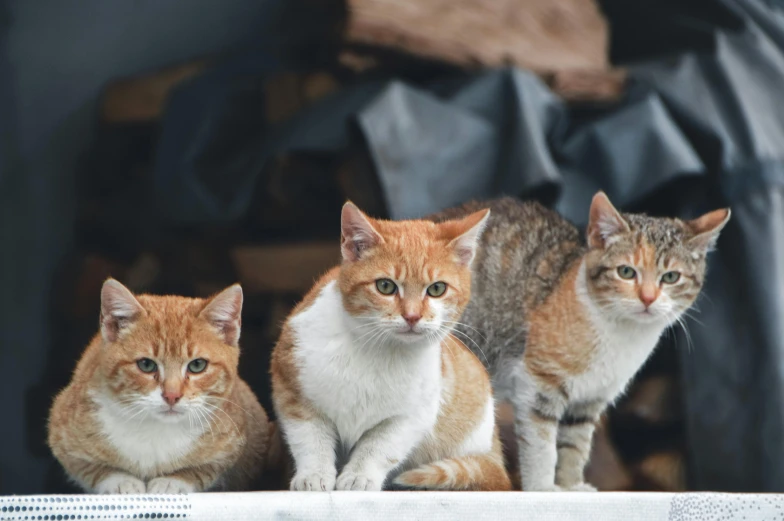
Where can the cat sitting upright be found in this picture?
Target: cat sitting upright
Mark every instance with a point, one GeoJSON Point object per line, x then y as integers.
{"type": "Point", "coordinates": [565, 325]}
{"type": "Point", "coordinates": [156, 405]}
{"type": "Point", "coordinates": [369, 386]}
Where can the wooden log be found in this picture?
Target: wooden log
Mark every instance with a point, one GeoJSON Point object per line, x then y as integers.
{"type": "Point", "coordinates": [541, 35]}
{"type": "Point", "coordinates": [285, 268]}
{"type": "Point", "coordinates": [143, 98]}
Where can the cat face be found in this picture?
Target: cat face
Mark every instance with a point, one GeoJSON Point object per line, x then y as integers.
{"type": "Point", "coordinates": [166, 358]}
{"type": "Point", "coordinates": [647, 269]}
{"type": "Point", "coordinates": [406, 282]}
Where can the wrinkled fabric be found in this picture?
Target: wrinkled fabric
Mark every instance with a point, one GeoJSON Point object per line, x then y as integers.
{"type": "Point", "coordinates": [693, 133]}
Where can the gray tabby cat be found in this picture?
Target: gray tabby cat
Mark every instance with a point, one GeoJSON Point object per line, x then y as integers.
{"type": "Point", "coordinates": [563, 324]}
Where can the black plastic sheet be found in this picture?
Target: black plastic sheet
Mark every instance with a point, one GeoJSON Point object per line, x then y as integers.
{"type": "Point", "coordinates": [695, 132]}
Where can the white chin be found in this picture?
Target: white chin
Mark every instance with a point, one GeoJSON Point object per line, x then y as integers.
{"type": "Point", "coordinates": [170, 416]}
{"type": "Point", "coordinates": [410, 337]}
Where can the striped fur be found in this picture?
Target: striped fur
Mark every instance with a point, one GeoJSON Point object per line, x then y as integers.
{"type": "Point", "coordinates": [565, 323]}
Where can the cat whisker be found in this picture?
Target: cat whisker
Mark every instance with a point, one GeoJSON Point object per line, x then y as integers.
{"type": "Point", "coordinates": [216, 408]}
{"type": "Point", "coordinates": [203, 430]}
{"type": "Point", "coordinates": [487, 362]}
{"type": "Point", "coordinates": [206, 419]}
{"type": "Point", "coordinates": [212, 415]}
{"type": "Point", "coordinates": [455, 323]}
{"type": "Point", "coordinates": [247, 414]}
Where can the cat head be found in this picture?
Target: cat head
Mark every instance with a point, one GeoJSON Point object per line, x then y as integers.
{"type": "Point", "coordinates": [168, 358]}
{"type": "Point", "coordinates": [406, 281]}
{"type": "Point", "coordinates": [647, 269]}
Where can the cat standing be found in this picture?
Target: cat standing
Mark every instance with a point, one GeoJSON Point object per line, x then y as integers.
{"type": "Point", "coordinates": [155, 404]}
{"type": "Point", "coordinates": [369, 386]}
{"type": "Point", "coordinates": [563, 326]}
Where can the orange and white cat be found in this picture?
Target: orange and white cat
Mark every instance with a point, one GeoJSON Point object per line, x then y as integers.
{"type": "Point", "coordinates": [155, 404]}
{"type": "Point", "coordinates": [370, 387]}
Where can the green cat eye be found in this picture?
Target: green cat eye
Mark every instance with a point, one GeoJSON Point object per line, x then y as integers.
{"type": "Point", "coordinates": [146, 365]}
{"type": "Point", "coordinates": [436, 289]}
{"type": "Point", "coordinates": [671, 277]}
{"type": "Point", "coordinates": [198, 365]}
{"type": "Point", "coordinates": [626, 272]}
{"type": "Point", "coordinates": [386, 287]}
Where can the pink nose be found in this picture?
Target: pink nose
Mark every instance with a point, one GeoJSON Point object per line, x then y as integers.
{"type": "Point", "coordinates": [172, 397]}
{"type": "Point", "coordinates": [412, 319]}
{"type": "Point", "coordinates": [647, 299]}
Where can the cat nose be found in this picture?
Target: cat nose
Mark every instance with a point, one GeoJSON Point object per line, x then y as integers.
{"type": "Point", "coordinates": [412, 318]}
{"type": "Point", "coordinates": [172, 397]}
{"type": "Point", "coordinates": [647, 297]}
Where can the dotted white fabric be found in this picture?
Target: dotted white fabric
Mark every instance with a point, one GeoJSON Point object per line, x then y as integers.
{"type": "Point", "coordinates": [363, 506]}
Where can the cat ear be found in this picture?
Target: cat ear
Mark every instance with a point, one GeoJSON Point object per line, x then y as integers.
{"type": "Point", "coordinates": [470, 229]}
{"type": "Point", "coordinates": [119, 309]}
{"type": "Point", "coordinates": [356, 233]}
{"type": "Point", "coordinates": [224, 313]}
{"type": "Point", "coordinates": [707, 227]}
{"type": "Point", "coordinates": [605, 223]}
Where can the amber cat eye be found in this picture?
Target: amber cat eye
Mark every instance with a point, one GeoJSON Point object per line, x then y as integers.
{"type": "Point", "coordinates": [146, 365]}
{"type": "Point", "coordinates": [386, 287]}
{"type": "Point", "coordinates": [626, 272]}
{"type": "Point", "coordinates": [198, 365]}
{"type": "Point", "coordinates": [671, 277]}
{"type": "Point", "coordinates": [436, 289]}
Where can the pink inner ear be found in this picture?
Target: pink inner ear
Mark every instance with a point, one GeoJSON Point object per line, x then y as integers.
{"type": "Point", "coordinates": [224, 312]}
{"type": "Point", "coordinates": [604, 221]}
{"type": "Point", "coordinates": [357, 233]}
{"type": "Point", "coordinates": [470, 229]}
{"type": "Point", "coordinates": [118, 309]}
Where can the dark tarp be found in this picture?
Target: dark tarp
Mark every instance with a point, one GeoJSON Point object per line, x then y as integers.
{"type": "Point", "coordinates": [695, 132]}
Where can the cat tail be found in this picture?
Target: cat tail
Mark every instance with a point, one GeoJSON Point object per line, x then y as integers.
{"type": "Point", "coordinates": [481, 472]}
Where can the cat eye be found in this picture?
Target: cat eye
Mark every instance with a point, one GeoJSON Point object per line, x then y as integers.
{"type": "Point", "coordinates": [386, 287]}
{"type": "Point", "coordinates": [671, 277]}
{"type": "Point", "coordinates": [436, 289]}
{"type": "Point", "coordinates": [626, 272]}
{"type": "Point", "coordinates": [198, 365]}
{"type": "Point", "coordinates": [146, 365]}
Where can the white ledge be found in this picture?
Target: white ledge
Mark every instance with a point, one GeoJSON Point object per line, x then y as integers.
{"type": "Point", "coordinates": [394, 506]}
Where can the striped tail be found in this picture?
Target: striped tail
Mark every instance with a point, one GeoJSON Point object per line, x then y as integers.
{"type": "Point", "coordinates": [476, 472]}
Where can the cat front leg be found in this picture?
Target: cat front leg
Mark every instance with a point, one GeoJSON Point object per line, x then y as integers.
{"type": "Point", "coordinates": [312, 443]}
{"type": "Point", "coordinates": [536, 428]}
{"type": "Point", "coordinates": [378, 451]}
{"type": "Point", "coordinates": [575, 434]}
{"type": "Point", "coordinates": [97, 477]}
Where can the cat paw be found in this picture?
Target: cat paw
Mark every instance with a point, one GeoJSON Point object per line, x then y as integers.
{"type": "Point", "coordinates": [313, 481]}
{"type": "Point", "coordinates": [358, 481]}
{"type": "Point", "coordinates": [581, 487]}
{"type": "Point", "coordinates": [544, 488]}
{"type": "Point", "coordinates": [120, 484]}
{"type": "Point", "coordinates": [169, 486]}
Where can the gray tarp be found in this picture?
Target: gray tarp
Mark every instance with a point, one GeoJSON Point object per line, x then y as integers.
{"type": "Point", "coordinates": [695, 132]}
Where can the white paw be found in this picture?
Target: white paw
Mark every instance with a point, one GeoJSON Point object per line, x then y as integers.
{"type": "Point", "coordinates": [581, 487]}
{"type": "Point", "coordinates": [169, 486]}
{"type": "Point", "coordinates": [358, 481]}
{"type": "Point", "coordinates": [313, 481]}
{"type": "Point", "coordinates": [120, 484]}
{"type": "Point", "coordinates": [543, 488]}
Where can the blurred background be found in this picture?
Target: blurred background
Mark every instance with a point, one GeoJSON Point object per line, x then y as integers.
{"type": "Point", "coordinates": [181, 146]}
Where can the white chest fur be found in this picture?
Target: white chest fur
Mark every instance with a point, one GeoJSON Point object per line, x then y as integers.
{"type": "Point", "coordinates": [619, 354]}
{"type": "Point", "coordinates": [358, 382]}
{"type": "Point", "coordinates": [620, 351]}
{"type": "Point", "coordinates": [148, 445]}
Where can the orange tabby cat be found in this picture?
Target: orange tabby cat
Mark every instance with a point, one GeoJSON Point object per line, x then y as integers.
{"type": "Point", "coordinates": [155, 404]}
{"type": "Point", "coordinates": [369, 385]}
